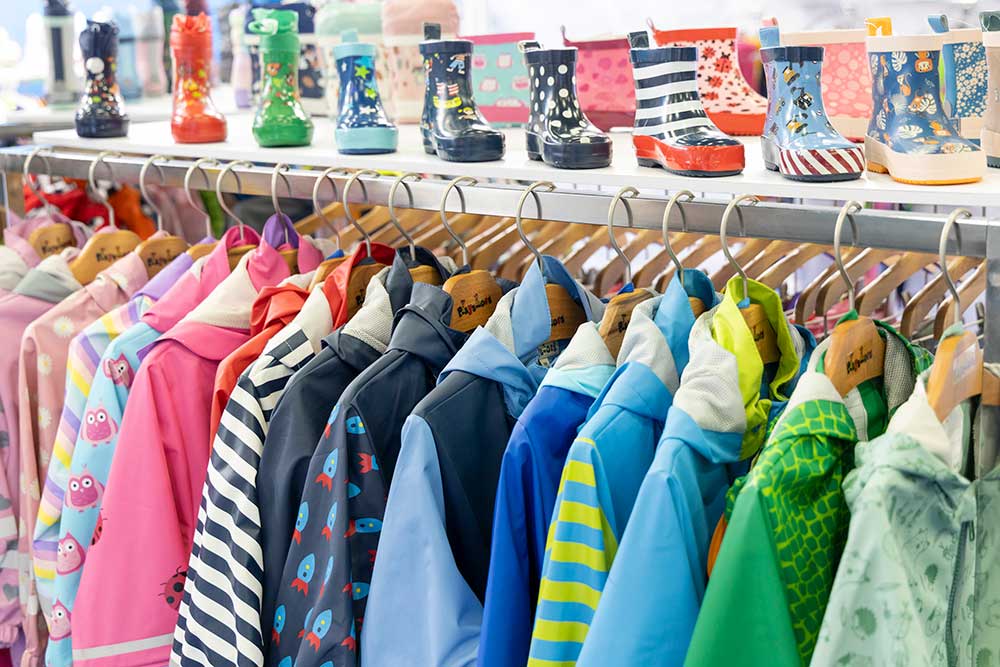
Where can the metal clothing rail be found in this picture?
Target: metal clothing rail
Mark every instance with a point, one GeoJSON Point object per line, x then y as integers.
{"type": "Point", "coordinates": [789, 222]}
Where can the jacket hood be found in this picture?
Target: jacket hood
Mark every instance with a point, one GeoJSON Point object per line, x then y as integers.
{"type": "Point", "coordinates": [421, 327]}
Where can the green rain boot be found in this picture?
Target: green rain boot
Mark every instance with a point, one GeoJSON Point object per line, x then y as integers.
{"type": "Point", "coordinates": [280, 119]}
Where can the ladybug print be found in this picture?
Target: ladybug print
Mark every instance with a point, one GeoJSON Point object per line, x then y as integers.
{"type": "Point", "coordinates": [173, 588]}
{"type": "Point", "coordinates": [98, 529]}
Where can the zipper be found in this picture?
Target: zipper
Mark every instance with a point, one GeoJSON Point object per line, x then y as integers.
{"type": "Point", "coordinates": [950, 643]}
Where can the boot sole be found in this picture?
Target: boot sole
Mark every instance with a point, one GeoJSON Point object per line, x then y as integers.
{"type": "Point", "coordinates": [990, 141]}
{"type": "Point", "coordinates": [102, 128]}
{"type": "Point", "coordinates": [795, 165]}
{"type": "Point", "coordinates": [366, 140]}
{"type": "Point", "coordinates": [701, 161]}
{"type": "Point", "coordinates": [474, 148]}
{"type": "Point", "coordinates": [738, 124]}
{"type": "Point", "coordinates": [940, 169]}
{"type": "Point", "coordinates": [568, 156]}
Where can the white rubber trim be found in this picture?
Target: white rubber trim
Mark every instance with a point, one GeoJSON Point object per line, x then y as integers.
{"type": "Point", "coordinates": [991, 143]}
{"type": "Point", "coordinates": [852, 127]}
{"type": "Point", "coordinates": [823, 37]}
{"type": "Point", "coordinates": [927, 169]}
{"type": "Point", "coordinates": [971, 127]}
{"type": "Point", "coordinates": [961, 36]}
{"type": "Point", "coordinates": [904, 43]}
{"type": "Point", "coordinates": [666, 89]}
{"type": "Point", "coordinates": [991, 38]}
{"type": "Point", "coordinates": [659, 69]}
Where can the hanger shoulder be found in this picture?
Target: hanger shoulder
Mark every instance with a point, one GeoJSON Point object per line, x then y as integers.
{"type": "Point", "coordinates": [199, 250]}
{"type": "Point", "coordinates": [309, 224]}
{"type": "Point", "coordinates": [700, 252]}
{"type": "Point", "coordinates": [856, 354]}
{"type": "Point", "coordinates": [878, 290]}
{"type": "Point", "coordinates": [575, 260]}
{"type": "Point", "coordinates": [614, 270]}
{"type": "Point", "coordinates": [157, 253]}
{"type": "Point", "coordinates": [617, 316]}
{"type": "Point", "coordinates": [774, 251]}
{"type": "Point", "coordinates": [777, 273]}
{"type": "Point", "coordinates": [101, 251]}
{"type": "Point", "coordinates": [956, 374]}
{"type": "Point", "coordinates": [833, 290]}
{"type": "Point", "coordinates": [474, 297]}
{"type": "Point", "coordinates": [805, 306]}
{"type": "Point", "coordinates": [648, 272]}
{"type": "Point", "coordinates": [51, 238]}
{"type": "Point", "coordinates": [497, 240]}
{"type": "Point", "coordinates": [931, 295]}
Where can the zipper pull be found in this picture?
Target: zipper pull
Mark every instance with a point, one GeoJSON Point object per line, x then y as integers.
{"type": "Point", "coordinates": [972, 532]}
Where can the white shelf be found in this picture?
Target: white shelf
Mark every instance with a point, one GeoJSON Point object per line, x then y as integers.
{"type": "Point", "coordinates": [151, 138]}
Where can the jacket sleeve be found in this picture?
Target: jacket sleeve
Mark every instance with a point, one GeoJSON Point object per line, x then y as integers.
{"type": "Point", "coordinates": [421, 612]}
{"type": "Point", "coordinates": [149, 509]}
{"type": "Point", "coordinates": [10, 611]}
{"type": "Point", "coordinates": [509, 609]}
{"type": "Point", "coordinates": [745, 595]}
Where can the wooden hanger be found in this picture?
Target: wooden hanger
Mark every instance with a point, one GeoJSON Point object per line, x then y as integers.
{"type": "Point", "coordinates": [510, 264]}
{"type": "Point", "coordinates": [805, 305]}
{"type": "Point", "coordinates": [775, 275]}
{"type": "Point", "coordinates": [362, 272]}
{"type": "Point", "coordinates": [764, 335]}
{"type": "Point", "coordinates": [774, 251]}
{"type": "Point", "coordinates": [557, 246]}
{"type": "Point", "coordinates": [751, 249]}
{"type": "Point", "coordinates": [670, 247]}
{"type": "Point", "coordinates": [410, 220]}
{"type": "Point", "coordinates": [235, 253]}
{"type": "Point", "coordinates": [878, 291]}
{"type": "Point", "coordinates": [486, 248]}
{"type": "Point", "coordinates": [58, 234]}
{"type": "Point", "coordinates": [575, 260]}
{"type": "Point", "coordinates": [460, 224]}
{"type": "Point", "coordinates": [321, 214]}
{"type": "Point", "coordinates": [857, 350]}
{"type": "Point", "coordinates": [648, 272]}
{"type": "Point", "coordinates": [931, 295]}
{"type": "Point", "coordinates": [419, 272]}
{"type": "Point", "coordinates": [834, 290]}
{"type": "Point", "coordinates": [702, 251]}
{"type": "Point", "coordinates": [969, 291]}
{"type": "Point", "coordinates": [291, 253]}
{"type": "Point", "coordinates": [160, 250]}
{"type": "Point", "coordinates": [612, 274]}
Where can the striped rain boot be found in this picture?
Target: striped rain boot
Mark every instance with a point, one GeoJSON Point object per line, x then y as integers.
{"type": "Point", "coordinates": [799, 141]}
{"type": "Point", "coordinates": [671, 128]}
{"type": "Point", "coordinates": [910, 137]}
{"type": "Point", "coordinates": [732, 104]}
{"type": "Point", "coordinates": [964, 61]}
{"type": "Point", "coordinates": [991, 120]}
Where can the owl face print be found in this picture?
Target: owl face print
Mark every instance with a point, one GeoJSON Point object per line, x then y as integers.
{"type": "Point", "coordinates": [98, 427]}
{"type": "Point", "coordinates": [59, 625]}
{"type": "Point", "coordinates": [119, 370]}
{"type": "Point", "coordinates": [83, 492]}
{"type": "Point", "coordinates": [70, 555]}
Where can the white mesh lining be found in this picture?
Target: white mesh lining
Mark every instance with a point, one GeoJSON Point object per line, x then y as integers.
{"type": "Point", "coordinates": [644, 343]}
{"type": "Point", "coordinates": [586, 349]}
{"type": "Point", "coordinates": [898, 383]}
{"type": "Point", "coordinates": [710, 392]}
{"type": "Point", "coordinates": [372, 324]}
{"type": "Point", "coordinates": [500, 324]}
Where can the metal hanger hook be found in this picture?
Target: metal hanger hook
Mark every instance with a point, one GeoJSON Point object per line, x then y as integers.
{"type": "Point", "coordinates": [325, 176]}
{"type": "Point", "coordinates": [457, 184]}
{"type": "Point", "coordinates": [355, 177]}
{"type": "Point", "coordinates": [846, 213]}
{"type": "Point", "coordinates": [943, 259]}
{"type": "Point", "coordinates": [239, 187]}
{"type": "Point", "coordinates": [687, 196]}
{"type": "Point", "coordinates": [142, 185]}
{"type": "Point", "coordinates": [275, 173]}
{"type": "Point", "coordinates": [197, 166]}
{"type": "Point", "coordinates": [392, 208]}
{"type": "Point", "coordinates": [621, 196]}
{"type": "Point", "coordinates": [92, 181]}
{"type": "Point", "coordinates": [549, 186]}
{"type": "Point", "coordinates": [50, 208]}
{"type": "Point", "coordinates": [734, 205]}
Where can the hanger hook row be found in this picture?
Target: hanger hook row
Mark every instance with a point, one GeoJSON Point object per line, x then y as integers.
{"type": "Point", "coordinates": [621, 196]}
{"type": "Point", "coordinates": [26, 173]}
{"type": "Point", "coordinates": [400, 181]}
{"type": "Point", "coordinates": [949, 224]}
{"type": "Point", "coordinates": [734, 205]}
{"type": "Point", "coordinates": [847, 212]}
{"type": "Point", "coordinates": [92, 181]}
{"type": "Point", "coordinates": [356, 178]}
{"type": "Point", "coordinates": [151, 162]}
{"type": "Point", "coordinates": [457, 184]}
{"type": "Point", "coordinates": [325, 176]}
{"type": "Point", "coordinates": [675, 200]}
{"type": "Point", "coordinates": [239, 188]}
{"type": "Point", "coordinates": [548, 186]}
{"type": "Point", "coordinates": [197, 166]}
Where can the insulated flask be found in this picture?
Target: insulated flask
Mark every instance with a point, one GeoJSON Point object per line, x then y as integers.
{"type": "Point", "coordinates": [279, 119]}
{"type": "Point", "coordinates": [61, 84]}
{"type": "Point", "coordinates": [101, 112]}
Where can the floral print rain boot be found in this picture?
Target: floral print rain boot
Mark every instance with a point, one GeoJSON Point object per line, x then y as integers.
{"type": "Point", "coordinates": [991, 119]}
{"type": "Point", "coordinates": [671, 129]}
{"type": "Point", "coordinates": [799, 141]}
{"type": "Point", "coordinates": [910, 137]}
{"type": "Point", "coordinates": [194, 118]}
{"type": "Point", "coordinates": [964, 60]}
{"type": "Point", "coordinates": [101, 112]}
{"type": "Point", "coordinates": [280, 119]}
{"type": "Point", "coordinates": [362, 125]}
{"type": "Point", "coordinates": [734, 106]}
{"type": "Point", "coordinates": [558, 132]}
{"type": "Point", "coordinates": [452, 126]}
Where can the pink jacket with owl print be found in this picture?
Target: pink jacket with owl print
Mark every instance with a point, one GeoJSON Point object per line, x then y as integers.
{"type": "Point", "coordinates": [41, 390]}
{"type": "Point", "coordinates": [150, 505]}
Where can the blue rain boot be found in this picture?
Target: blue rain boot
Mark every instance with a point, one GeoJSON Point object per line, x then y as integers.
{"type": "Point", "coordinates": [451, 125]}
{"type": "Point", "coordinates": [964, 60]}
{"type": "Point", "coordinates": [362, 125]}
{"type": "Point", "coordinates": [558, 132]}
{"type": "Point", "coordinates": [991, 119]}
{"type": "Point", "coordinates": [101, 112]}
{"type": "Point", "coordinates": [909, 136]}
{"type": "Point", "coordinates": [799, 141]}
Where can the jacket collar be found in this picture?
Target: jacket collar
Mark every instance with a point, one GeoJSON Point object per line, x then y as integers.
{"type": "Point", "coordinates": [372, 323]}
{"type": "Point", "coordinates": [506, 349]}
{"type": "Point", "coordinates": [125, 276]}
{"type": "Point", "coordinates": [52, 280]}
{"type": "Point", "coordinates": [399, 283]}
{"type": "Point", "coordinates": [335, 285]}
{"type": "Point", "coordinates": [421, 327]}
{"type": "Point", "coordinates": [586, 364]}
{"type": "Point", "coordinates": [279, 304]}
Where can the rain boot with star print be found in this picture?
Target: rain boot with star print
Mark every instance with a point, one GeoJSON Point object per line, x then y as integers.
{"type": "Point", "coordinates": [362, 124]}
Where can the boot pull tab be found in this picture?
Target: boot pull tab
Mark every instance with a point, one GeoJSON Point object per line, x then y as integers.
{"type": "Point", "coordinates": [562, 31]}
{"type": "Point", "coordinates": [990, 21]}
{"type": "Point", "coordinates": [526, 45]}
{"type": "Point", "coordinates": [432, 31]}
{"type": "Point", "coordinates": [769, 36]}
{"type": "Point", "coordinates": [938, 22]}
{"type": "Point", "coordinates": [638, 39]}
{"type": "Point", "coordinates": [879, 27]}
{"type": "Point", "coordinates": [348, 36]}
{"type": "Point", "coordinates": [649, 22]}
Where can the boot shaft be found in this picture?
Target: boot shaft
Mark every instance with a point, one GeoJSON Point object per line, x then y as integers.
{"type": "Point", "coordinates": [795, 99]}
{"type": "Point", "coordinates": [99, 48]}
{"type": "Point", "coordinates": [964, 60]}
{"type": "Point", "coordinates": [359, 103]}
{"type": "Point", "coordinates": [666, 90]}
{"type": "Point", "coordinates": [552, 83]}
{"type": "Point", "coordinates": [990, 22]}
{"type": "Point", "coordinates": [448, 79]}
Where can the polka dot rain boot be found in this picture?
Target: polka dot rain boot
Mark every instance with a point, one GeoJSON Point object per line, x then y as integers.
{"type": "Point", "coordinates": [671, 129]}
{"type": "Point", "coordinates": [991, 120]}
{"type": "Point", "coordinates": [732, 104]}
{"type": "Point", "coordinates": [964, 61]}
{"type": "Point", "coordinates": [910, 137]}
{"type": "Point", "coordinates": [362, 125]}
{"type": "Point", "coordinates": [799, 142]}
{"type": "Point", "coordinates": [101, 112]}
{"type": "Point", "coordinates": [451, 125]}
{"type": "Point", "coordinates": [279, 119]}
{"type": "Point", "coordinates": [558, 132]}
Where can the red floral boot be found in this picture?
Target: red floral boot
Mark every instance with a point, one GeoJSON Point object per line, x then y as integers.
{"type": "Point", "coordinates": [729, 101]}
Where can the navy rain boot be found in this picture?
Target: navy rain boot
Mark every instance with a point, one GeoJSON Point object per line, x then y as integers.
{"type": "Point", "coordinates": [558, 132]}
{"type": "Point", "coordinates": [452, 126]}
